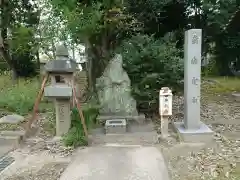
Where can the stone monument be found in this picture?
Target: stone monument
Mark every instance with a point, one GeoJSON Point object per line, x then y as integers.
{"type": "Point", "coordinates": [114, 94]}
{"type": "Point", "coordinates": [192, 129]}
{"type": "Point", "coordinates": [61, 72]}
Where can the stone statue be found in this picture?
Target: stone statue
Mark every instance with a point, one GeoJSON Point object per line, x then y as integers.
{"type": "Point", "coordinates": [114, 90]}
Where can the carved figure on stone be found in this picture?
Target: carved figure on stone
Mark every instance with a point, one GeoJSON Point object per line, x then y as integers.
{"type": "Point", "coordinates": [114, 90]}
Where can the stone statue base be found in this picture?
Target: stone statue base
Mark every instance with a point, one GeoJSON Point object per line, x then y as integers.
{"type": "Point", "coordinates": [139, 119]}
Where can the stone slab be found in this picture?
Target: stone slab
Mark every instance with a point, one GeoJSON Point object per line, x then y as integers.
{"type": "Point", "coordinates": [116, 126]}
{"type": "Point", "coordinates": [12, 133]}
{"type": "Point", "coordinates": [12, 119]}
{"type": "Point", "coordinates": [13, 141]}
{"type": "Point", "coordinates": [117, 163]}
{"type": "Point", "coordinates": [139, 118]}
{"type": "Point", "coordinates": [204, 134]}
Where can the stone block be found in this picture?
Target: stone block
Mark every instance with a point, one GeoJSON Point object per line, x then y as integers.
{"type": "Point", "coordinates": [10, 140]}
{"type": "Point", "coordinates": [12, 119]}
{"type": "Point", "coordinates": [236, 96]}
{"type": "Point", "coordinates": [12, 133]}
{"type": "Point", "coordinates": [116, 126]}
{"type": "Point", "coordinates": [201, 135]}
{"type": "Point", "coordinates": [58, 91]}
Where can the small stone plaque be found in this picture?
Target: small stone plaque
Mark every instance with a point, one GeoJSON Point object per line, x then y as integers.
{"type": "Point", "coordinates": [116, 126]}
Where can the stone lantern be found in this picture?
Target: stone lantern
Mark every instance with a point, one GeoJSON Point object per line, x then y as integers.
{"type": "Point", "coordinates": [60, 90]}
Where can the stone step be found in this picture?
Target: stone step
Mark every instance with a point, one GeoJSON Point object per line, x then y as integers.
{"type": "Point", "coordinates": [10, 140]}
{"type": "Point", "coordinates": [12, 133]}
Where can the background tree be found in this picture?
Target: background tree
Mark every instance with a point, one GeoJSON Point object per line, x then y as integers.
{"type": "Point", "coordinates": [100, 25]}
{"type": "Point", "coordinates": [18, 21]}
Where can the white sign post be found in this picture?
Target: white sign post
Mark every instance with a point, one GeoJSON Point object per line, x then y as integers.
{"type": "Point", "coordinates": [165, 109]}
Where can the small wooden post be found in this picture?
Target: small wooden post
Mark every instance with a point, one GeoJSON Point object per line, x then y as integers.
{"type": "Point", "coordinates": [165, 109]}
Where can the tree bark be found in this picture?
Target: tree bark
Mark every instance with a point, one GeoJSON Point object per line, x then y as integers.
{"type": "Point", "coordinates": [3, 44]}
{"type": "Point", "coordinates": [88, 66]}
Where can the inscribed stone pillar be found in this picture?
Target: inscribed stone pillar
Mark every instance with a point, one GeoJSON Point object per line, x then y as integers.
{"type": "Point", "coordinates": [192, 79]}
{"type": "Point", "coordinates": [63, 116]}
{"type": "Point", "coordinates": [192, 129]}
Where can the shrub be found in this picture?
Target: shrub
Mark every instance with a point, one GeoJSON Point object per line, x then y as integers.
{"type": "Point", "coordinates": [75, 137]}
{"type": "Point", "coordinates": [151, 64]}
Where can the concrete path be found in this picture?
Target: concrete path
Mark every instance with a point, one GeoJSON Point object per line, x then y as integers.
{"type": "Point", "coordinates": [117, 162]}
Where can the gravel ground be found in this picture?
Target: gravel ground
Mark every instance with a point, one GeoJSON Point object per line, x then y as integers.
{"type": "Point", "coordinates": [51, 171]}
{"type": "Point", "coordinates": [41, 157]}
{"type": "Point", "coordinates": [38, 159]}
{"type": "Point", "coordinates": [218, 160]}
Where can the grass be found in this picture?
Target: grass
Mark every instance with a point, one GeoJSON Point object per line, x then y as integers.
{"type": "Point", "coordinates": [20, 98]}
{"type": "Point", "coordinates": [222, 85]}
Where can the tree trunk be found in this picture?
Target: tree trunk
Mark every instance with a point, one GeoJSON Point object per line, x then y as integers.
{"type": "Point", "coordinates": [3, 45]}
{"type": "Point", "coordinates": [89, 66]}
{"type": "Point", "coordinates": [38, 60]}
